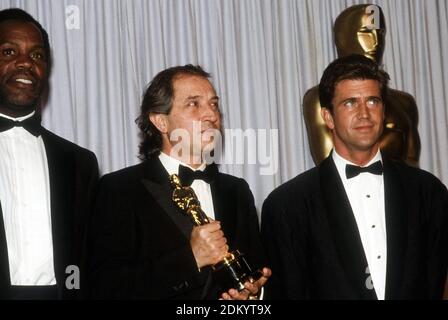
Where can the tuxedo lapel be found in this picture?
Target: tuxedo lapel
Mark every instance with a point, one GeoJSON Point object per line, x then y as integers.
{"type": "Point", "coordinates": [5, 279]}
{"type": "Point", "coordinates": [224, 205]}
{"type": "Point", "coordinates": [396, 228]}
{"type": "Point", "coordinates": [62, 184]}
{"type": "Point", "coordinates": [156, 182]}
{"type": "Point", "coordinates": [344, 229]}
{"type": "Point", "coordinates": [225, 212]}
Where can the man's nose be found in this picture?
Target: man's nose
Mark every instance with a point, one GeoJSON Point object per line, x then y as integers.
{"type": "Point", "coordinates": [211, 113]}
{"type": "Point", "coordinates": [24, 61]}
{"type": "Point", "coordinates": [363, 110]}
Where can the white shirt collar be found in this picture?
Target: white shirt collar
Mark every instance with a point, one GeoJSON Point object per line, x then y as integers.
{"type": "Point", "coordinates": [19, 118]}
{"type": "Point", "coordinates": [341, 162]}
{"type": "Point", "coordinates": [172, 164]}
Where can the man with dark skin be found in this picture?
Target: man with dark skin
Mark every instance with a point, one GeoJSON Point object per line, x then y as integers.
{"type": "Point", "coordinates": [46, 182]}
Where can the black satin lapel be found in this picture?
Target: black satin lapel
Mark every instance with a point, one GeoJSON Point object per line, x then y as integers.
{"type": "Point", "coordinates": [224, 204]}
{"type": "Point", "coordinates": [5, 279]}
{"type": "Point", "coordinates": [162, 195]}
{"type": "Point", "coordinates": [62, 183]}
{"type": "Point", "coordinates": [396, 228]}
{"type": "Point", "coordinates": [344, 229]}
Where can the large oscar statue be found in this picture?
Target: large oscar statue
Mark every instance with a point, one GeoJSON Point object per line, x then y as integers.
{"type": "Point", "coordinates": [354, 34]}
{"type": "Point", "coordinates": [233, 271]}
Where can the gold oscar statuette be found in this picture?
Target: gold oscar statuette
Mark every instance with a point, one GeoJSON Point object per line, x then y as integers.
{"type": "Point", "coordinates": [233, 270]}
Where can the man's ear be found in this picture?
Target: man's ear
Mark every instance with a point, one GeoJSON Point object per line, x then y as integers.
{"type": "Point", "coordinates": [328, 117]}
{"type": "Point", "coordinates": [159, 121]}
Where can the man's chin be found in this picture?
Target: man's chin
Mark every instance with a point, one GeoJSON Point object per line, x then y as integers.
{"type": "Point", "coordinates": [18, 106]}
{"type": "Point", "coordinates": [367, 146]}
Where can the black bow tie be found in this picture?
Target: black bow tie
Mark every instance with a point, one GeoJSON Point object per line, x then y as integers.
{"type": "Point", "coordinates": [32, 125]}
{"type": "Point", "coordinates": [353, 171]}
{"type": "Point", "coordinates": [187, 176]}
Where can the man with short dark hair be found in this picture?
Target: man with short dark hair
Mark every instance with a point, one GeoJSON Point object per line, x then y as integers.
{"type": "Point", "coordinates": [144, 247]}
{"type": "Point", "coordinates": [46, 182]}
{"type": "Point", "coordinates": [358, 226]}
{"type": "Point", "coordinates": [356, 33]}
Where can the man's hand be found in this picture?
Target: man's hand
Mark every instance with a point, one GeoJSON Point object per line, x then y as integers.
{"type": "Point", "coordinates": [208, 244]}
{"type": "Point", "coordinates": [251, 290]}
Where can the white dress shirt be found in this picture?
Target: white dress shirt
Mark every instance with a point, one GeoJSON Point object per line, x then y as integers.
{"type": "Point", "coordinates": [366, 195]}
{"type": "Point", "coordinates": [200, 187]}
{"type": "Point", "coordinates": [25, 201]}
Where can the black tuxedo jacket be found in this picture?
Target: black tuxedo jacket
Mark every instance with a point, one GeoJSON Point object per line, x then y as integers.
{"type": "Point", "coordinates": [315, 251]}
{"type": "Point", "coordinates": [141, 240]}
{"type": "Point", "coordinates": [73, 173]}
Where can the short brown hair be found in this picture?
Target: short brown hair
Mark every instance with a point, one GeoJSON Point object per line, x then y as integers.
{"type": "Point", "coordinates": [352, 67]}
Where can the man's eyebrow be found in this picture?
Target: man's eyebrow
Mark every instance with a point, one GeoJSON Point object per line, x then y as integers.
{"type": "Point", "coordinates": [347, 99]}
{"type": "Point", "coordinates": [3, 42]}
{"type": "Point", "coordinates": [192, 98]}
{"type": "Point", "coordinates": [196, 97]}
{"type": "Point", "coordinates": [357, 98]}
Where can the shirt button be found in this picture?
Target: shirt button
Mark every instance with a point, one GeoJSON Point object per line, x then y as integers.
{"type": "Point", "coordinates": [379, 257]}
{"type": "Point", "coordinates": [374, 226]}
{"type": "Point", "coordinates": [368, 196]}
